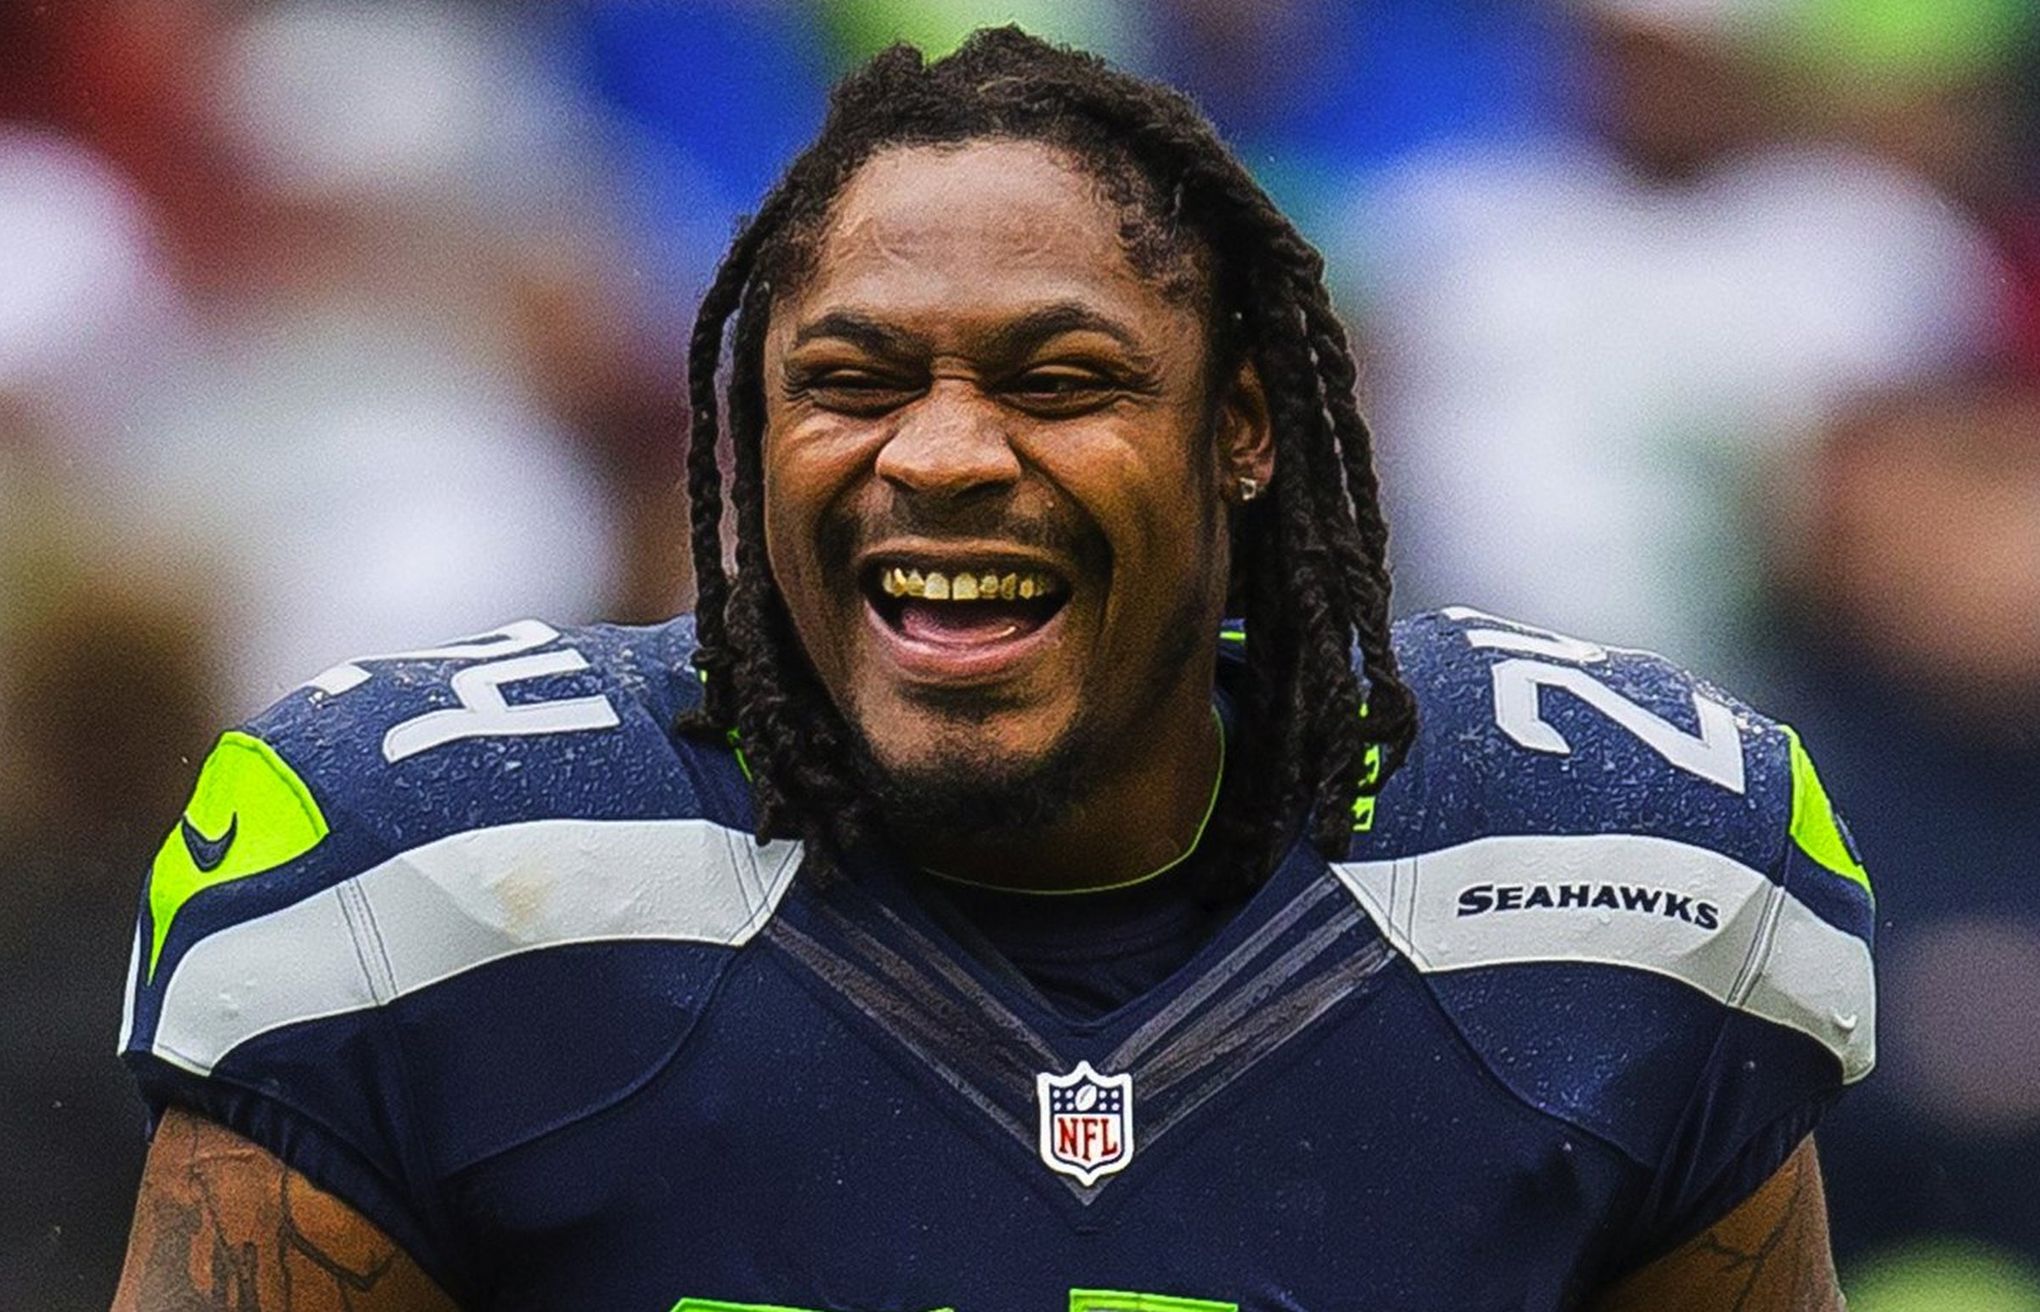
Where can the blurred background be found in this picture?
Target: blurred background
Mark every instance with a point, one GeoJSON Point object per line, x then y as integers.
{"type": "Point", "coordinates": [1709, 326]}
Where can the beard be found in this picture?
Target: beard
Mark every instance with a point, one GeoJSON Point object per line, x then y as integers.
{"type": "Point", "coordinates": [966, 787]}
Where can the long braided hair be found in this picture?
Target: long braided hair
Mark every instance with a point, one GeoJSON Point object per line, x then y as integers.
{"type": "Point", "coordinates": [1309, 572]}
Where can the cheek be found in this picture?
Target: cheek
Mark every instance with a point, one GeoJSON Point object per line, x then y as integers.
{"type": "Point", "coordinates": [809, 469]}
{"type": "Point", "coordinates": [808, 462]}
{"type": "Point", "coordinates": [789, 526]}
{"type": "Point", "coordinates": [1149, 489]}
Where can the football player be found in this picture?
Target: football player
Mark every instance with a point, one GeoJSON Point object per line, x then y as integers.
{"type": "Point", "coordinates": [955, 912]}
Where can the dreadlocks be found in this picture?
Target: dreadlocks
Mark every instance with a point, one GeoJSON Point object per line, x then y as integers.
{"type": "Point", "coordinates": [1309, 566]}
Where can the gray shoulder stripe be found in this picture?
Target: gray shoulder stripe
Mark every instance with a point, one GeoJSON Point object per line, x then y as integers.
{"type": "Point", "coordinates": [461, 902]}
{"type": "Point", "coordinates": [296, 964]}
{"type": "Point", "coordinates": [1630, 900]}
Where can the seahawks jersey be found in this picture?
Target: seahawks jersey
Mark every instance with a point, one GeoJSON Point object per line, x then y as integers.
{"type": "Point", "coordinates": [470, 938]}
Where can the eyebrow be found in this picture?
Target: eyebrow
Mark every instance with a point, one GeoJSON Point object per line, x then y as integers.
{"type": "Point", "coordinates": [862, 330]}
{"type": "Point", "coordinates": [1007, 341]}
{"type": "Point", "coordinates": [1037, 326]}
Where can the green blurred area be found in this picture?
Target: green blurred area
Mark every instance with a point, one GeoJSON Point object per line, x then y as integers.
{"type": "Point", "coordinates": [861, 28]}
{"type": "Point", "coordinates": [1944, 1276]}
{"type": "Point", "coordinates": [1904, 43]}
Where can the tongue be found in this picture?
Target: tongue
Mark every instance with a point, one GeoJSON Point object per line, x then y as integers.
{"type": "Point", "coordinates": [969, 622]}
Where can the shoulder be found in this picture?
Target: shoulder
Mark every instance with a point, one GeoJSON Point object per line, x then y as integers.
{"type": "Point", "coordinates": [527, 722]}
{"type": "Point", "coordinates": [1615, 876]}
{"type": "Point", "coordinates": [401, 822]}
{"type": "Point", "coordinates": [1531, 731]}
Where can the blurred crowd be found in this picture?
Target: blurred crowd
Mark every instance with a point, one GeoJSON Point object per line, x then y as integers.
{"type": "Point", "coordinates": [1709, 326]}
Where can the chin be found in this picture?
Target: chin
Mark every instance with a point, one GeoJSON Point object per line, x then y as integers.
{"type": "Point", "coordinates": [962, 777]}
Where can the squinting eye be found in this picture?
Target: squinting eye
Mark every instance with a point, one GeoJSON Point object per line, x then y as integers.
{"type": "Point", "coordinates": [859, 393]}
{"type": "Point", "coordinates": [1059, 390]}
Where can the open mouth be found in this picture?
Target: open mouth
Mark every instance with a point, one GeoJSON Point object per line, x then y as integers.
{"type": "Point", "coordinates": [966, 604]}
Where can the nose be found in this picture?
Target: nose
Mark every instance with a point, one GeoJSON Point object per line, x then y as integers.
{"type": "Point", "coordinates": [949, 445]}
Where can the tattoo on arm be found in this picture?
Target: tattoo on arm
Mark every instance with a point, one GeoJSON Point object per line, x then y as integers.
{"type": "Point", "coordinates": [1774, 1268]}
{"type": "Point", "coordinates": [222, 1226]}
{"type": "Point", "coordinates": [1768, 1255]}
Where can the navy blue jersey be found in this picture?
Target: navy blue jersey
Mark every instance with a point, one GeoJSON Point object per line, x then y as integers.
{"type": "Point", "coordinates": [470, 938]}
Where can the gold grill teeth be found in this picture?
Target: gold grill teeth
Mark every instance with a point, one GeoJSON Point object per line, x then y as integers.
{"type": "Point", "coordinates": [899, 581]}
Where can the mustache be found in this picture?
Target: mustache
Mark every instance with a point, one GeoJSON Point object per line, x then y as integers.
{"type": "Point", "coordinates": [844, 533]}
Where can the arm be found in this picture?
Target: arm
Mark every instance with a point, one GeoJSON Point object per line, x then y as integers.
{"type": "Point", "coordinates": [221, 1224]}
{"type": "Point", "coordinates": [1769, 1255]}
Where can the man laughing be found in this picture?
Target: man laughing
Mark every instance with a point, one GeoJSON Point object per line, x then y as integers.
{"type": "Point", "coordinates": [958, 910]}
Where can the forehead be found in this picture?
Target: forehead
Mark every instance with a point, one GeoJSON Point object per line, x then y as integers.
{"type": "Point", "coordinates": [974, 235]}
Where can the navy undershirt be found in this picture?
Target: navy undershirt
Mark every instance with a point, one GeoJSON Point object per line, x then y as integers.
{"type": "Point", "coordinates": [1084, 953]}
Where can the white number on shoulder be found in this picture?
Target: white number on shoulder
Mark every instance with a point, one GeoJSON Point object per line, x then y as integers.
{"type": "Point", "coordinates": [483, 712]}
{"type": "Point", "coordinates": [1715, 753]}
{"type": "Point", "coordinates": [1512, 635]}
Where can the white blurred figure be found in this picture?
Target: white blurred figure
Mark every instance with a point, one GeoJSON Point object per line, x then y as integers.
{"type": "Point", "coordinates": [1587, 351]}
{"type": "Point", "coordinates": [365, 446]}
{"type": "Point", "coordinates": [366, 488]}
{"type": "Point", "coordinates": [83, 296]}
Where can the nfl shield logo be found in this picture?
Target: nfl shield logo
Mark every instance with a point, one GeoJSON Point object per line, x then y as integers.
{"type": "Point", "coordinates": [1086, 1122]}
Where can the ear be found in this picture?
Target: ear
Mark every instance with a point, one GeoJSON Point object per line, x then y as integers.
{"type": "Point", "coordinates": [1246, 438]}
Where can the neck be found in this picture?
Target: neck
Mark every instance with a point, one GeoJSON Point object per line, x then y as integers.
{"type": "Point", "coordinates": [1143, 816]}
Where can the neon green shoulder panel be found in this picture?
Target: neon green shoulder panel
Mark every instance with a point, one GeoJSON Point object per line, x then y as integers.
{"type": "Point", "coordinates": [250, 813]}
{"type": "Point", "coordinates": [1814, 826]}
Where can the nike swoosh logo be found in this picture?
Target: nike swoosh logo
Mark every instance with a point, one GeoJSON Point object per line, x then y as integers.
{"type": "Point", "coordinates": [207, 853]}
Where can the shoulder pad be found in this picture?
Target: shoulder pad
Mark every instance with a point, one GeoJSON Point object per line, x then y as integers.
{"type": "Point", "coordinates": [1543, 733]}
{"type": "Point", "coordinates": [1603, 866]}
{"type": "Point", "coordinates": [401, 819]}
{"type": "Point", "coordinates": [525, 723]}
